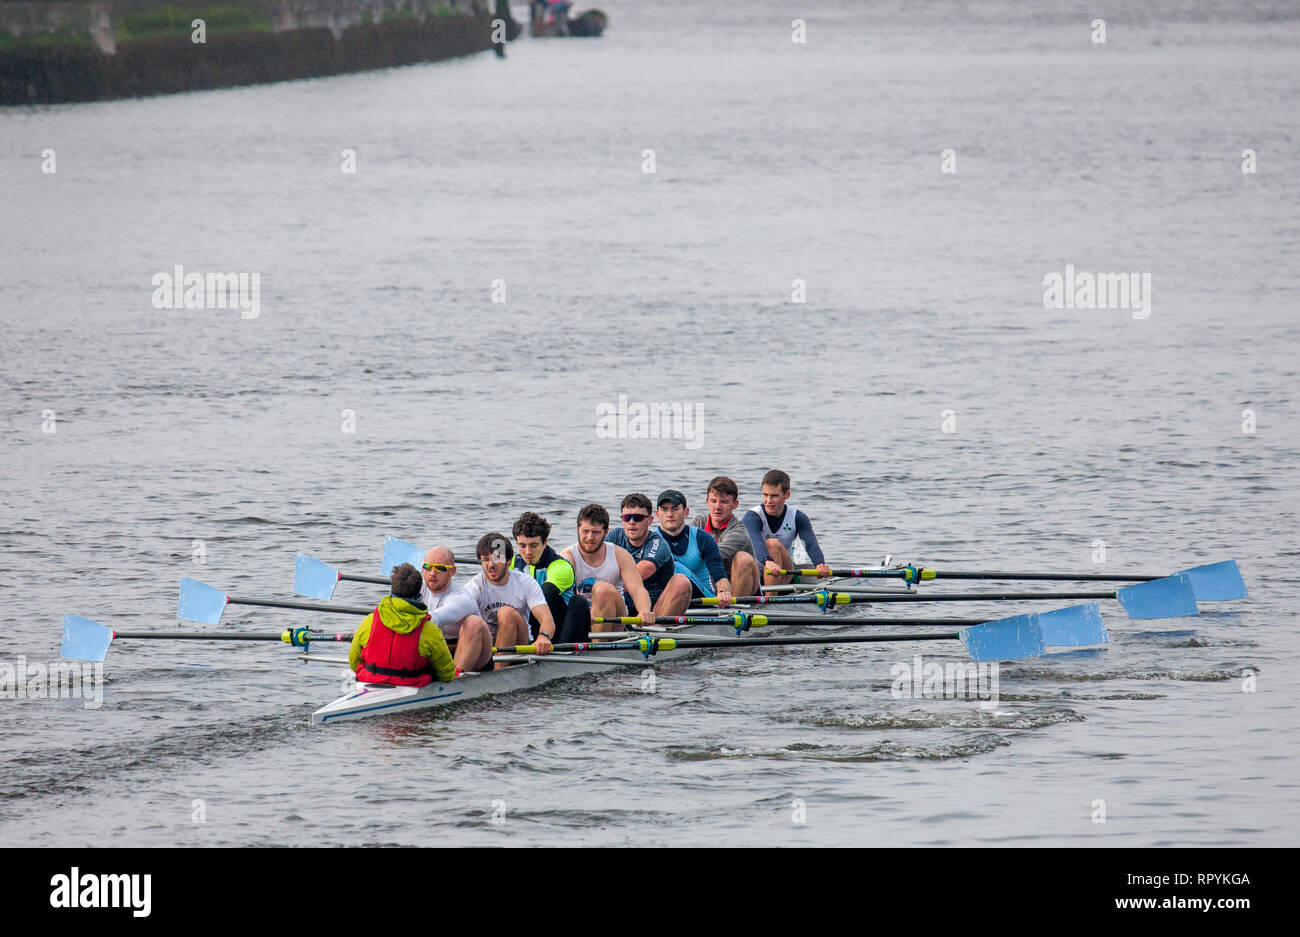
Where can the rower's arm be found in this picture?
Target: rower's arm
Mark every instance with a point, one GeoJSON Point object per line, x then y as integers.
{"type": "Point", "coordinates": [633, 585]}
{"type": "Point", "coordinates": [755, 527]}
{"type": "Point", "coordinates": [804, 531]}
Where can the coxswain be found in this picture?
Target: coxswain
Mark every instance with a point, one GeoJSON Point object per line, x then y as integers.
{"type": "Point", "coordinates": [398, 644]}
{"type": "Point", "coordinates": [773, 527]}
{"type": "Point", "coordinates": [605, 571]}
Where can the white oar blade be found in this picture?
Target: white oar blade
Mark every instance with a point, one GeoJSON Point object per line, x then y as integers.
{"type": "Point", "coordinates": [1216, 582]}
{"type": "Point", "coordinates": [1076, 626]}
{"type": "Point", "coordinates": [1012, 638]}
{"type": "Point", "coordinates": [397, 552]}
{"type": "Point", "coordinates": [313, 578]}
{"type": "Point", "coordinates": [1171, 597]}
{"type": "Point", "coordinates": [84, 639]}
{"type": "Point", "coordinates": [200, 602]}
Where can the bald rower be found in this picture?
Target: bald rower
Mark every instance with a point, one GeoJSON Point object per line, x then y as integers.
{"type": "Point", "coordinates": [455, 612]}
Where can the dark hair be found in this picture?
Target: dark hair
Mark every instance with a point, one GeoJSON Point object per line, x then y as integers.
{"type": "Point", "coordinates": [777, 477]}
{"type": "Point", "coordinates": [490, 543]}
{"type": "Point", "coordinates": [405, 581]}
{"type": "Point", "coordinates": [531, 525]}
{"type": "Point", "coordinates": [725, 486]}
{"type": "Point", "coordinates": [596, 514]}
{"type": "Point", "coordinates": [637, 500]}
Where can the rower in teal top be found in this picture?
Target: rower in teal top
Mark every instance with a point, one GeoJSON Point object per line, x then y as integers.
{"type": "Point", "coordinates": [695, 553]}
{"type": "Point", "coordinates": [554, 574]}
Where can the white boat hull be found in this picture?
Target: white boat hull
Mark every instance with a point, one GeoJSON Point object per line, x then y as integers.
{"type": "Point", "coordinates": [373, 699]}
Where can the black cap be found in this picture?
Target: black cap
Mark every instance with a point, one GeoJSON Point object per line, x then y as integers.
{"type": "Point", "coordinates": [673, 495]}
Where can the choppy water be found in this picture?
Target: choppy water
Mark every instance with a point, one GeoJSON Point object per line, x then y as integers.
{"type": "Point", "coordinates": [774, 161]}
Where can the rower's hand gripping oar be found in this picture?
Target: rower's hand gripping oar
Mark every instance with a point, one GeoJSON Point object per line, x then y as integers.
{"type": "Point", "coordinates": [202, 603]}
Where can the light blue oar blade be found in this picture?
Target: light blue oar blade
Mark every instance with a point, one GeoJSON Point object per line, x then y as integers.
{"type": "Point", "coordinates": [1005, 639]}
{"type": "Point", "coordinates": [84, 639]}
{"type": "Point", "coordinates": [1076, 626]}
{"type": "Point", "coordinates": [1216, 582]}
{"type": "Point", "coordinates": [1171, 597]}
{"type": "Point", "coordinates": [200, 602]}
{"type": "Point", "coordinates": [397, 552]}
{"type": "Point", "coordinates": [313, 578]}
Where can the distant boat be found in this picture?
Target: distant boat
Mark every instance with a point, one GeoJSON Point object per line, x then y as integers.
{"type": "Point", "coordinates": [552, 19]}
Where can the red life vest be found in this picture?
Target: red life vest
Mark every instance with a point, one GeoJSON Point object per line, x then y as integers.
{"type": "Point", "coordinates": [393, 658]}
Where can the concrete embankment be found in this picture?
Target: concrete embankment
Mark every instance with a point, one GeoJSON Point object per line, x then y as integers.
{"type": "Point", "coordinates": [55, 52]}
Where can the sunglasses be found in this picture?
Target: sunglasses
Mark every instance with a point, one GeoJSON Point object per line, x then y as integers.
{"type": "Point", "coordinates": [636, 518]}
{"type": "Point", "coordinates": [440, 567]}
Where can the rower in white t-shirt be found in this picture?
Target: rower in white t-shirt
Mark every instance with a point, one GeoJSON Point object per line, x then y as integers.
{"type": "Point", "coordinates": [506, 596]}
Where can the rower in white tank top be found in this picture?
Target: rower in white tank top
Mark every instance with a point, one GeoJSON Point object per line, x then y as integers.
{"type": "Point", "coordinates": [785, 531]}
{"type": "Point", "coordinates": [585, 576]}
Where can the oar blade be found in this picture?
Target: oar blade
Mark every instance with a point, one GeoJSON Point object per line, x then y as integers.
{"type": "Point", "coordinates": [84, 639]}
{"type": "Point", "coordinates": [1216, 582]}
{"type": "Point", "coordinates": [397, 552]}
{"type": "Point", "coordinates": [1012, 638]}
{"type": "Point", "coordinates": [1171, 597]}
{"type": "Point", "coordinates": [200, 602]}
{"type": "Point", "coordinates": [313, 578]}
{"type": "Point", "coordinates": [1076, 626]}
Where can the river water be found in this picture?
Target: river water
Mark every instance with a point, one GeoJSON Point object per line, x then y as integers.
{"type": "Point", "coordinates": [925, 402]}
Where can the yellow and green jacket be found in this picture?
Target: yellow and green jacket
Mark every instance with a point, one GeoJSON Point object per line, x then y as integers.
{"type": "Point", "coordinates": [403, 617]}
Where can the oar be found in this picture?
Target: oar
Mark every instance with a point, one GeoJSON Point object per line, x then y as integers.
{"type": "Point", "coordinates": [317, 580]}
{"type": "Point", "coordinates": [397, 552]}
{"type": "Point", "coordinates": [1171, 597]}
{"type": "Point", "coordinates": [85, 639]}
{"type": "Point", "coordinates": [743, 620]}
{"type": "Point", "coordinates": [1074, 626]}
{"type": "Point", "coordinates": [1213, 582]}
{"type": "Point", "coordinates": [201, 602]}
{"type": "Point", "coordinates": [1006, 639]}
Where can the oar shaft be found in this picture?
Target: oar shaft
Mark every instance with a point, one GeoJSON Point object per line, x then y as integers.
{"type": "Point", "coordinates": [977, 597]}
{"type": "Point", "coordinates": [306, 606]}
{"type": "Point", "coordinates": [303, 636]}
{"type": "Point", "coordinates": [377, 580]}
{"type": "Point", "coordinates": [1047, 577]}
{"type": "Point", "coordinates": [650, 644]}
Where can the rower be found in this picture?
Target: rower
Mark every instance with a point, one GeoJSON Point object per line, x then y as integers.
{"type": "Point", "coordinates": [455, 611]}
{"type": "Point", "coordinates": [601, 568]}
{"type": "Point", "coordinates": [508, 599]}
{"type": "Point", "coordinates": [773, 527]}
{"type": "Point", "coordinates": [733, 539]}
{"type": "Point", "coordinates": [670, 591]}
{"type": "Point", "coordinates": [695, 553]}
{"type": "Point", "coordinates": [554, 574]}
{"type": "Point", "coordinates": [398, 644]}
